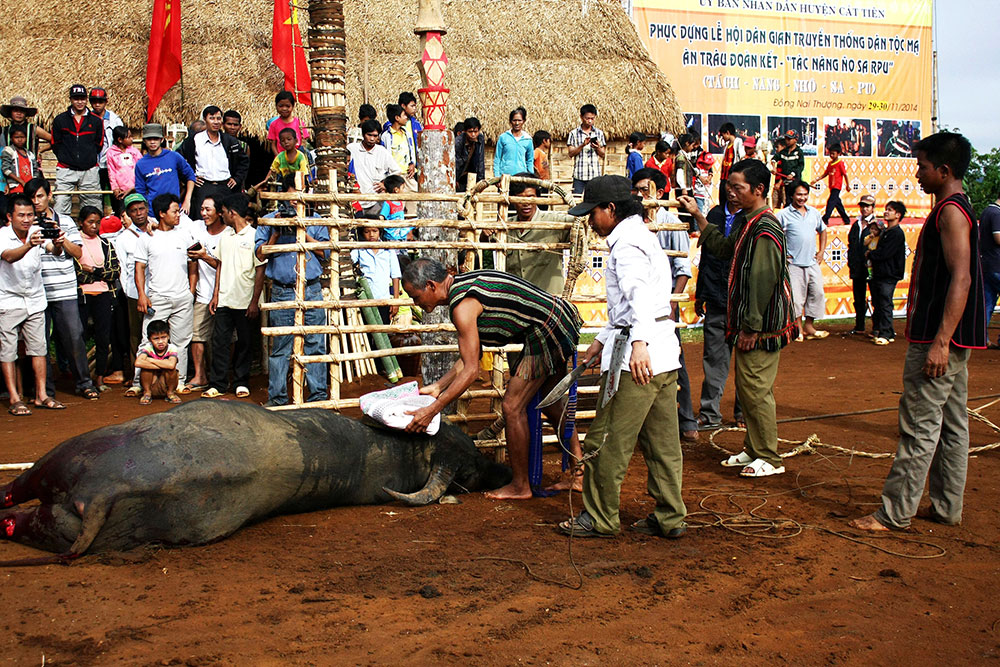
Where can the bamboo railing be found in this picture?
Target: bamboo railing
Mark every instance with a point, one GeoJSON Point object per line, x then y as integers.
{"type": "Point", "coordinates": [340, 328]}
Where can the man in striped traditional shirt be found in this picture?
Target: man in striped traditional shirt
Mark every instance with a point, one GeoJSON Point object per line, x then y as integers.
{"type": "Point", "coordinates": [759, 318]}
{"type": "Point", "coordinates": [496, 309]}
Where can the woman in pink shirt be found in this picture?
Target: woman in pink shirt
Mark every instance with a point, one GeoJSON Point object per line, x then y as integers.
{"type": "Point", "coordinates": [122, 158]}
{"type": "Point", "coordinates": [97, 274]}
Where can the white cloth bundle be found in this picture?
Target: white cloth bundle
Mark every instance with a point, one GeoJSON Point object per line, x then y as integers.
{"type": "Point", "coordinates": [389, 406]}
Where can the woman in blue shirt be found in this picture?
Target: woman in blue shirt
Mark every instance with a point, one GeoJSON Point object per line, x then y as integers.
{"type": "Point", "coordinates": [515, 152]}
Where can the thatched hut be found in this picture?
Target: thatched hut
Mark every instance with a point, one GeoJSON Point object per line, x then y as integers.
{"type": "Point", "coordinates": [549, 56]}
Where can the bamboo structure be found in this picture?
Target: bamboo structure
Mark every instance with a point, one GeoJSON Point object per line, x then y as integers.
{"type": "Point", "coordinates": [351, 357]}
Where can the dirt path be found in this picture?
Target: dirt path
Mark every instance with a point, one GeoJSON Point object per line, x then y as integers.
{"type": "Point", "coordinates": [390, 585]}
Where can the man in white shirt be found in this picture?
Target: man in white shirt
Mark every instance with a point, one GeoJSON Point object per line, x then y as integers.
{"type": "Point", "coordinates": [166, 280]}
{"type": "Point", "coordinates": [219, 162]}
{"type": "Point", "coordinates": [62, 314]}
{"type": "Point", "coordinates": [651, 183]}
{"type": "Point", "coordinates": [640, 355]}
{"type": "Point", "coordinates": [802, 224]}
{"type": "Point", "coordinates": [207, 234]}
{"type": "Point", "coordinates": [371, 162]}
{"type": "Point", "coordinates": [22, 300]}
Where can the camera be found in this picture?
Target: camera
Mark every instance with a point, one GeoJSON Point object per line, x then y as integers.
{"type": "Point", "coordinates": [49, 228]}
{"type": "Point", "coordinates": [285, 210]}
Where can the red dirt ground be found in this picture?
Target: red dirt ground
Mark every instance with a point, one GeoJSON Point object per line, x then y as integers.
{"type": "Point", "coordinates": [390, 584]}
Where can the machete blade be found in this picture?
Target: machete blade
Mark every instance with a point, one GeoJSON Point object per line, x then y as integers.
{"type": "Point", "coordinates": [560, 389]}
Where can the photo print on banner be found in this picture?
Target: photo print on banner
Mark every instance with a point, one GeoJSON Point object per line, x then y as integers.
{"type": "Point", "coordinates": [896, 137]}
{"type": "Point", "coordinates": [853, 134]}
{"type": "Point", "coordinates": [805, 127]}
{"type": "Point", "coordinates": [746, 126]}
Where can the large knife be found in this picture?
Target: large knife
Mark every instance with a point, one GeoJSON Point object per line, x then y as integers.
{"type": "Point", "coordinates": [564, 385]}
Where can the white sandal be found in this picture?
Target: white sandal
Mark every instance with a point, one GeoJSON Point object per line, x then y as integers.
{"type": "Point", "coordinates": [242, 392]}
{"type": "Point", "coordinates": [737, 460]}
{"type": "Point", "coordinates": [761, 468]}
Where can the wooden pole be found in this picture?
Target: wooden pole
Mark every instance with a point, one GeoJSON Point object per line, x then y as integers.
{"type": "Point", "coordinates": [299, 342]}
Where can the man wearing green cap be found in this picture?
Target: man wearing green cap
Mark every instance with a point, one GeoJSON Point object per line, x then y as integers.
{"type": "Point", "coordinates": [640, 355]}
{"type": "Point", "coordinates": [126, 243]}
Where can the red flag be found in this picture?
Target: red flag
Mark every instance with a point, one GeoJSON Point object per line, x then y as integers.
{"type": "Point", "coordinates": [163, 63]}
{"type": "Point", "coordinates": [287, 52]}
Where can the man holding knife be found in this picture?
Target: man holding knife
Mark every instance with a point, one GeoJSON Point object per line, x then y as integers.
{"type": "Point", "coordinates": [639, 356]}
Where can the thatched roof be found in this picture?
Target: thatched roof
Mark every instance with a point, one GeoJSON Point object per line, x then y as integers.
{"type": "Point", "coordinates": [549, 56]}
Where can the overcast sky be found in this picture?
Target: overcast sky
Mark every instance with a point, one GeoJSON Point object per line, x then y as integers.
{"type": "Point", "coordinates": [968, 48]}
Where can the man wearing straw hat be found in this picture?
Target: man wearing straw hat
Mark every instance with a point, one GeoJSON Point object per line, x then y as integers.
{"type": "Point", "coordinates": [18, 112]}
{"type": "Point", "coordinates": [496, 309]}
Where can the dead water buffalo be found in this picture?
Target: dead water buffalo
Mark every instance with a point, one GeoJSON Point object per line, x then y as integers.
{"type": "Point", "coordinates": [203, 470]}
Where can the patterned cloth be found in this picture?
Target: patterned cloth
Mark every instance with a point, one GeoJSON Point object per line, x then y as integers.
{"type": "Point", "coordinates": [515, 311]}
{"type": "Point", "coordinates": [587, 164]}
{"type": "Point", "coordinates": [779, 326]}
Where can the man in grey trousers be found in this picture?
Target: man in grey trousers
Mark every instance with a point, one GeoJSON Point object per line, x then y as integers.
{"type": "Point", "coordinates": [711, 297]}
{"type": "Point", "coordinates": [946, 319]}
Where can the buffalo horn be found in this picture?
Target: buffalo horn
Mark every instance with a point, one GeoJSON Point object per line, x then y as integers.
{"type": "Point", "coordinates": [437, 484]}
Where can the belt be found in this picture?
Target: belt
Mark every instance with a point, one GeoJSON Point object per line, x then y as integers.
{"type": "Point", "coordinates": [208, 182]}
{"type": "Point", "coordinates": [292, 285]}
{"type": "Point", "coordinates": [617, 357]}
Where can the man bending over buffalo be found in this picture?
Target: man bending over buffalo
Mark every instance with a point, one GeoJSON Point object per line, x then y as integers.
{"type": "Point", "coordinates": [496, 308]}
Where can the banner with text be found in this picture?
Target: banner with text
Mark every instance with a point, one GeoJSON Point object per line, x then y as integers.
{"type": "Point", "coordinates": [854, 72]}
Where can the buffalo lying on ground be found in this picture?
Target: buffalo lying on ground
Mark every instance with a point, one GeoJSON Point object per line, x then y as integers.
{"type": "Point", "coordinates": [203, 470]}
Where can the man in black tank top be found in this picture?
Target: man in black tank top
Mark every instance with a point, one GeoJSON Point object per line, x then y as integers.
{"type": "Point", "coordinates": [945, 320]}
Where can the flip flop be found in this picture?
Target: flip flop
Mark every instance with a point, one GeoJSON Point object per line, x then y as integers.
{"type": "Point", "coordinates": [173, 400]}
{"type": "Point", "coordinates": [242, 392]}
{"type": "Point", "coordinates": [19, 409]}
{"type": "Point", "coordinates": [132, 392]}
{"type": "Point", "coordinates": [50, 404]}
{"type": "Point", "coordinates": [90, 394]}
{"type": "Point", "coordinates": [146, 400]}
{"type": "Point", "coordinates": [212, 393]}
{"type": "Point", "coordinates": [738, 460]}
{"type": "Point", "coordinates": [761, 468]}
{"type": "Point", "coordinates": [819, 335]}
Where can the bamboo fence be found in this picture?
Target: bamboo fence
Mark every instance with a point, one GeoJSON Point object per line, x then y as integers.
{"type": "Point", "coordinates": [345, 330]}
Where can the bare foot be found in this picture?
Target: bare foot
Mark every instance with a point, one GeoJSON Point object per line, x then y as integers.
{"type": "Point", "coordinates": [509, 492]}
{"type": "Point", "coordinates": [869, 524]}
{"type": "Point", "coordinates": [575, 482]}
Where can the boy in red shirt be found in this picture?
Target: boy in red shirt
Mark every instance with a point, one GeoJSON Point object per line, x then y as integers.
{"type": "Point", "coordinates": [662, 159]}
{"type": "Point", "coordinates": [837, 174]}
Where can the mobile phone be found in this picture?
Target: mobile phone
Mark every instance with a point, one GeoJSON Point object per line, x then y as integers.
{"type": "Point", "coordinates": [195, 247]}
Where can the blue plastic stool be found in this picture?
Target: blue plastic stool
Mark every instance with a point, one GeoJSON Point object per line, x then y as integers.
{"type": "Point", "coordinates": [535, 442]}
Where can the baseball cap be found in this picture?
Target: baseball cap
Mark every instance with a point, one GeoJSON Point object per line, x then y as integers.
{"type": "Point", "coordinates": [110, 224]}
{"type": "Point", "coordinates": [152, 131]}
{"type": "Point", "coordinates": [602, 190]}
{"type": "Point", "coordinates": [98, 94]}
{"type": "Point", "coordinates": [867, 199]}
{"type": "Point", "coordinates": [77, 90]}
{"type": "Point", "coordinates": [792, 134]}
{"type": "Point", "coordinates": [133, 198]}
{"type": "Point", "coordinates": [750, 142]}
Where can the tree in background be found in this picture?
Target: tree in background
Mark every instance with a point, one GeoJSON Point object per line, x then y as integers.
{"type": "Point", "coordinates": [982, 181]}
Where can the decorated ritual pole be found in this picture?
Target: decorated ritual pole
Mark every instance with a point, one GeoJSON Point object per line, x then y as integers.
{"type": "Point", "coordinates": [436, 165]}
{"type": "Point", "coordinates": [327, 64]}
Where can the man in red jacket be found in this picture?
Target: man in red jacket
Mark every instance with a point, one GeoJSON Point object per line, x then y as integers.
{"type": "Point", "coordinates": [77, 140]}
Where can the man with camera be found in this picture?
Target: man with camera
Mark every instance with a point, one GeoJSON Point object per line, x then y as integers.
{"type": "Point", "coordinates": [22, 299]}
{"type": "Point", "coordinates": [62, 319]}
